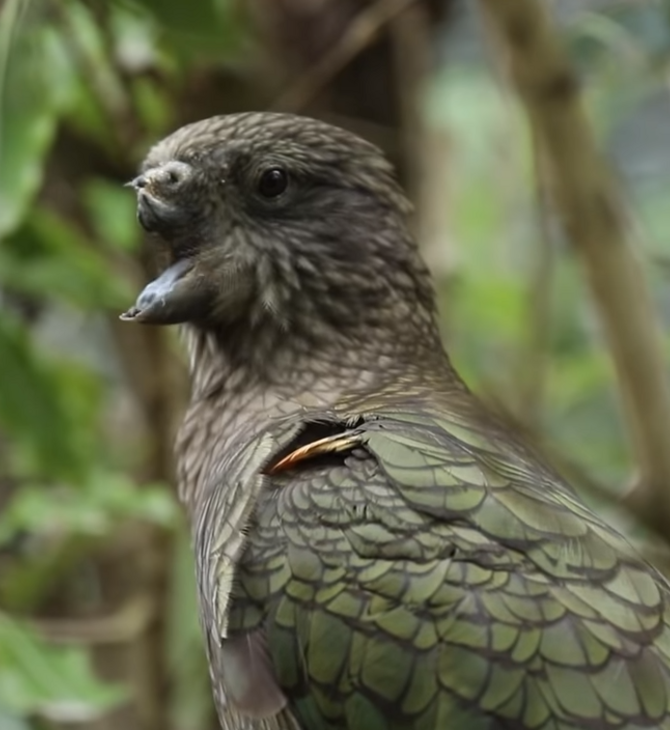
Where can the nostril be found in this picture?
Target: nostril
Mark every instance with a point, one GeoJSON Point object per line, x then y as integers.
{"type": "Point", "coordinates": [138, 182]}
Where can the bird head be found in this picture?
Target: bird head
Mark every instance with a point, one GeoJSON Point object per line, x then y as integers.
{"type": "Point", "coordinates": [274, 218]}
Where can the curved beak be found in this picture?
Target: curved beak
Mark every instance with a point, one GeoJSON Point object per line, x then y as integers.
{"type": "Point", "coordinates": [176, 296]}
{"type": "Point", "coordinates": [180, 293]}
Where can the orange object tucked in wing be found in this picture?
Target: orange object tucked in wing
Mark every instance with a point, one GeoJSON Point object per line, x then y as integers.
{"type": "Point", "coordinates": [328, 445]}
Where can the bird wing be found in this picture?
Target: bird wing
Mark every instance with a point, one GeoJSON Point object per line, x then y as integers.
{"type": "Point", "coordinates": [411, 571]}
{"type": "Point", "coordinates": [242, 677]}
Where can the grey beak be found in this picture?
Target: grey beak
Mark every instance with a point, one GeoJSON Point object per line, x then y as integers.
{"type": "Point", "coordinates": [169, 299]}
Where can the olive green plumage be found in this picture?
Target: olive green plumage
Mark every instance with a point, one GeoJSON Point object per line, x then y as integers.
{"type": "Point", "coordinates": [374, 550]}
{"type": "Point", "coordinates": [431, 580]}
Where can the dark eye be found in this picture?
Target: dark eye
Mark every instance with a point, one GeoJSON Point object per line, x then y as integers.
{"type": "Point", "coordinates": [273, 182]}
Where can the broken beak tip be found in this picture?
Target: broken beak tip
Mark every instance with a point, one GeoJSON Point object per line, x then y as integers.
{"type": "Point", "coordinates": [130, 315]}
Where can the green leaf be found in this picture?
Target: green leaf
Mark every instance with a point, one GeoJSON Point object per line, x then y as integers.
{"type": "Point", "coordinates": [54, 682]}
{"type": "Point", "coordinates": [205, 26]}
{"type": "Point", "coordinates": [197, 17]}
{"type": "Point", "coordinates": [71, 521]}
{"type": "Point", "coordinates": [35, 86]}
{"type": "Point", "coordinates": [30, 404]}
{"type": "Point", "coordinates": [50, 258]}
{"type": "Point", "coordinates": [95, 510]}
{"type": "Point", "coordinates": [112, 211]}
{"type": "Point", "coordinates": [153, 107]}
{"type": "Point", "coordinates": [120, 498]}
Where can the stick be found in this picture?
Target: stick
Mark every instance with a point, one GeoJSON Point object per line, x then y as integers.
{"type": "Point", "coordinates": [591, 210]}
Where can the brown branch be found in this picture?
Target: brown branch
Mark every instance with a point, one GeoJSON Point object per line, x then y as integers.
{"type": "Point", "coordinates": [127, 624]}
{"type": "Point", "coordinates": [382, 135]}
{"type": "Point", "coordinates": [591, 210]}
{"type": "Point", "coordinates": [534, 355]}
{"type": "Point", "coordinates": [362, 31]}
{"type": "Point", "coordinates": [411, 38]}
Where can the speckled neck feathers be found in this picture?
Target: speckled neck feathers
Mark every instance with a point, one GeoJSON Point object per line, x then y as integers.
{"type": "Point", "coordinates": [234, 397]}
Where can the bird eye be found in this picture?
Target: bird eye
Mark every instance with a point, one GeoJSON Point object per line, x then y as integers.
{"type": "Point", "coordinates": [273, 182]}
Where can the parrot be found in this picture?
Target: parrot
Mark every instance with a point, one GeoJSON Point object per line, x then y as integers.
{"type": "Point", "coordinates": [374, 548]}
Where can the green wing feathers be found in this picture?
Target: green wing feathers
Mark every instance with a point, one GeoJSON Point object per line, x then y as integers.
{"type": "Point", "coordinates": [425, 578]}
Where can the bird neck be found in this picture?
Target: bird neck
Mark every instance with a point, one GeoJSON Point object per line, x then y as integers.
{"type": "Point", "coordinates": [292, 368]}
{"type": "Point", "coordinates": [232, 400]}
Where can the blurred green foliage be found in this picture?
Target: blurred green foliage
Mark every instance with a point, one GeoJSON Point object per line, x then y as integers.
{"type": "Point", "coordinates": [85, 88]}
{"type": "Point", "coordinates": [36, 677]}
{"type": "Point", "coordinates": [514, 271]}
{"type": "Point", "coordinates": [66, 482]}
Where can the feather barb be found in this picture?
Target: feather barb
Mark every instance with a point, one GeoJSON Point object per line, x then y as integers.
{"type": "Point", "coordinates": [329, 445]}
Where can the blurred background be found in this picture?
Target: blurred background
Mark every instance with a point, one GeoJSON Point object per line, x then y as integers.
{"type": "Point", "coordinates": [98, 625]}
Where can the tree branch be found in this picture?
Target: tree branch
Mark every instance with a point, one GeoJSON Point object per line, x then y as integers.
{"type": "Point", "coordinates": [534, 353]}
{"type": "Point", "coordinates": [588, 203]}
{"type": "Point", "coordinates": [362, 31]}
